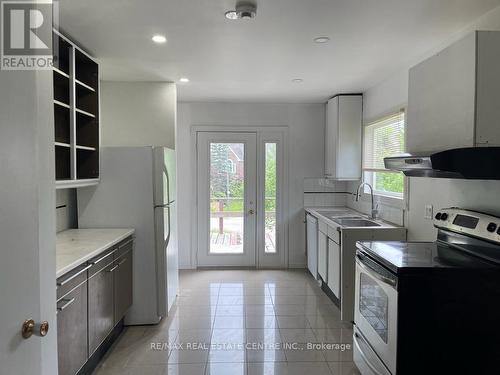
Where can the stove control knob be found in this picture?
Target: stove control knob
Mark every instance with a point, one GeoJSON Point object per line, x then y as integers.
{"type": "Point", "coordinates": [438, 216]}
{"type": "Point", "coordinates": [444, 216]}
{"type": "Point", "coordinates": [491, 227]}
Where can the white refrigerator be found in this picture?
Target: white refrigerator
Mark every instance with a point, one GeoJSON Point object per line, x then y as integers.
{"type": "Point", "coordinates": [137, 190]}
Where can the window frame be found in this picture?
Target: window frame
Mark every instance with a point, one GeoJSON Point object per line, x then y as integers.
{"type": "Point", "coordinates": [382, 197]}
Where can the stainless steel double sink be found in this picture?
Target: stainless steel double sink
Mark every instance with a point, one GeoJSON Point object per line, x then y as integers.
{"type": "Point", "coordinates": [345, 219]}
{"type": "Point", "coordinates": [355, 222]}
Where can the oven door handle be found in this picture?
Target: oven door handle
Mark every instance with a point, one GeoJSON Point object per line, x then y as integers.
{"type": "Point", "coordinates": [372, 272]}
{"type": "Point", "coordinates": [363, 355]}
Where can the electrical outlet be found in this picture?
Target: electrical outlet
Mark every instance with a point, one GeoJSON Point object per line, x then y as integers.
{"type": "Point", "coordinates": [429, 212]}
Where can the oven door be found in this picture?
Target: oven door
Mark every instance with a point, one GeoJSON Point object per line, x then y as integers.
{"type": "Point", "coordinates": [376, 307]}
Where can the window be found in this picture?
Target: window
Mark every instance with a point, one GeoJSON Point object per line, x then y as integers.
{"type": "Point", "coordinates": [382, 138]}
{"type": "Point", "coordinates": [270, 183]}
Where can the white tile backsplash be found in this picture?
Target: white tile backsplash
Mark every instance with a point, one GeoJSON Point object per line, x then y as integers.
{"type": "Point", "coordinates": [66, 211]}
{"type": "Point", "coordinates": [324, 199]}
{"type": "Point", "coordinates": [323, 185]}
{"type": "Point", "coordinates": [320, 192]}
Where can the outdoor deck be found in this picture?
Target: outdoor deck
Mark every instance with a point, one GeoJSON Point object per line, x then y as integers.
{"type": "Point", "coordinates": [231, 243]}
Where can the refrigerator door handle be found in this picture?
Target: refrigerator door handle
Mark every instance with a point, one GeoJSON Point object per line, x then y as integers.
{"type": "Point", "coordinates": [162, 237]}
{"type": "Point", "coordinates": [166, 205]}
{"type": "Point", "coordinates": [162, 205]}
{"type": "Point", "coordinates": [169, 228]}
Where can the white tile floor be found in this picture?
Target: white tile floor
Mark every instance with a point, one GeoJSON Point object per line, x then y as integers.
{"type": "Point", "coordinates": [239, 323]}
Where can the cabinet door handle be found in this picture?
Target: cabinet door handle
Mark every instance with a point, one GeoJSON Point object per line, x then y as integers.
{"type": "Point", "coordinates": [104, 257]}
{"type": "Point", "coordinates": [114, 268]}
{"type": "Point", "coordinates": [67, 303]}
{"type": "Point", "coordinates": [122, 261]}
{"type": "Point", "coordinates": [126, 243]}
{"type": "Point", "coordinates": [65, 281]}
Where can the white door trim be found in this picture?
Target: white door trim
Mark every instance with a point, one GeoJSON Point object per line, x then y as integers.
{"type": "Point", "coordinates": [284, 130]}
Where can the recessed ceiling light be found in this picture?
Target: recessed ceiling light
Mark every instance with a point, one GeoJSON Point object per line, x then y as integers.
{"type": "Point", "coordinates": [184, 80]}
{"type": "Point", "coordinates": [297, 80]}
{"type": "Point", "coordinates": [159, 39]}
{"type": "Point", "coordinates": [231, 15]}
{"type": "Point", "coordinates": [321, 39]}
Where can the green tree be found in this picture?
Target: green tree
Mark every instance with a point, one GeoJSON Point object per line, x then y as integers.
{"type": "Point", "coordinates": [390, 182]}
{"type": "Point", "coordinates": [270, 181]}
{"type": "Point", "coordinates": [236, 190]}
{"type": "Point", "coordinates": [387, 139]}
{"type": "Point", "coordinates": [219, 181]}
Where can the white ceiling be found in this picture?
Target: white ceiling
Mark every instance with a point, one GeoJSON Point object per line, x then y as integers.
{"type": "Point", "coordinates": [255, 60]}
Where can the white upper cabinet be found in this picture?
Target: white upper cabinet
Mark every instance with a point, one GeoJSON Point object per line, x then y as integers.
{"type": "Point", "coordinates": [452, 96]}
{"type": "Point", "coordinates": [343, 137]}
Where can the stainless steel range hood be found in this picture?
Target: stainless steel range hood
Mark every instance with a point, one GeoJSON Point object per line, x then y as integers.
{"type": "Point", "coordinates": [475, 163]}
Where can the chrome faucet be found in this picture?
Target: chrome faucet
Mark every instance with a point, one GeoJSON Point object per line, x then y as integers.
{"type": "Point", "coordinates": [358, 194]}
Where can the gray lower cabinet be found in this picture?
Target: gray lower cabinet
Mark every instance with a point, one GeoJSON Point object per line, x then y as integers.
{"type": "Point", "coordinates": [92, 300]}
{"type": "Point", "coordinates": [72, 330]}
{"type": "Point", "coordinates": [334, 267]}
{"type": "Point", "coordinates": [323, 256]}
{"type": "Point", "coordinates": [123, 285]}
{"type": "Point", "coordinates": [101, 306]}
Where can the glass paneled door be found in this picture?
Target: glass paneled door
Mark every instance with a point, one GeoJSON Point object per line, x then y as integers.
{"type": "Point", "coordinates": [227, 203]}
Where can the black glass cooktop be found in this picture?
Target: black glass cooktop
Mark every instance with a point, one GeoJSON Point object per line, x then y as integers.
{"type": "Point", "coordinates": [406, 256]}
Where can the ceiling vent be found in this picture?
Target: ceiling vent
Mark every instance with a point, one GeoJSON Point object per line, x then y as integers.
{"type": "Point", "coordinates": [244, 10]}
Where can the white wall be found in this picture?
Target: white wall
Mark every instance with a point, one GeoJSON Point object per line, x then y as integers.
{"type": "Point", "coordinates": [66, 209]}
{"type": "Point", "coordinates": [306, 146]}
{"type": "Point", "coordinates": [481, 195]}
{"type": "Point", "coordinates": [138, 113]}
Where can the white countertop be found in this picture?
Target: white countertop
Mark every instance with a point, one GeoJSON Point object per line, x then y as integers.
{"type": "Point", "coordinates": [76, 246]}
{"type": "Point", "coordinates": [346, 211]}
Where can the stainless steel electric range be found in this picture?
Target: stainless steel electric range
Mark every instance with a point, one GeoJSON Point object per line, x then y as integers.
{"type": "Point", "coordinates": [431, 307]}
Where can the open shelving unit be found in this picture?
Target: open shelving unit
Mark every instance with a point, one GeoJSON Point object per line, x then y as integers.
{"type": "Point", "coordinates": [76, 114]}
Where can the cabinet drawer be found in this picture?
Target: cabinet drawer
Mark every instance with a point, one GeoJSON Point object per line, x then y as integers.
{"type": "Point", "coordinates": [70, 280]}
{"type": "Point", "coordinates": [322, 227]}
{"type": "Point", "coordinates": [124, 247]}
{"type": "Point", "coordinates": [101, 261]}
{"type": "Point", "coordinates": [334, 234]}
{"type": "Point", "coordinates": [72, 350]}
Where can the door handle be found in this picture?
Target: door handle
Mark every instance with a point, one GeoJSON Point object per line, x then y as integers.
{"type": "Point", "coordinates": [64, 282]}
{"type": "Point", "coordinates": [373, 273]}
{"type": "Point", "coordinates": [122, 261]}
{"type": "Point", "coordinates": [102, 258]}
{"type": "Point", "coordinates": [67, 303]}
{"type": "Point", "coordinates": [30, 328]}
{"type": "Point", "coordinates": [114, 268]}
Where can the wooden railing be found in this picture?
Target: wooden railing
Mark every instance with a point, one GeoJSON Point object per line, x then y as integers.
{"type": "Point", "coordinates": [221, 213]}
